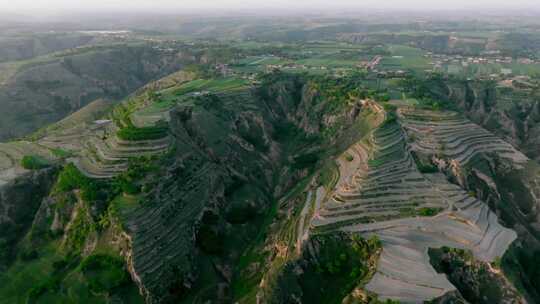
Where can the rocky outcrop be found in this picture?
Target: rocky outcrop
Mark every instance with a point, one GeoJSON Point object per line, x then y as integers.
{"type": "Point", "coordinates": [478, 282]}
{"type": "Point", "coordinates": [329, 269]}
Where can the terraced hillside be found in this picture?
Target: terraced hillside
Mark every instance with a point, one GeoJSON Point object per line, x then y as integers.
{"type": "Point", "coordinates": [453, 137]}
{"type": "Point", "coordinates": [107, 156]}
{"type": "Point", "coordinates": [382, 192]}
{"type": "Point", "coordinates": [140, 126]}
{"type": "Point", "coordinates": [179, 182]}
{"type": "Point", "coordinates": [222, 140]}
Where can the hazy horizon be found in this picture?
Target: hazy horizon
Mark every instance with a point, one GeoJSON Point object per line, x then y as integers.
{"type": "Point", "coordinates": [187, 6]}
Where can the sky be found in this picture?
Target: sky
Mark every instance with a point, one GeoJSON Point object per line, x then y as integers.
{"type": "Point", "coordinates": [237, 5]}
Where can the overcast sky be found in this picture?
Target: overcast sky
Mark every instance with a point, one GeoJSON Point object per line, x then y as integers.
{"type": "Point", "coordinates": [185, 5]}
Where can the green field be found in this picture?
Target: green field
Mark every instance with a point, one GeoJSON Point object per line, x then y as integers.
{"type": "Point", "coordinates": [328, 61]}
{"type": "Point", "coordinates": [169, 97]}
{"type": "Point", "coordinates": [211, 85]}
{"type": "Point", "coordinates": [406, 57]}
{"type": "Point", "coordinates": [262, 60]}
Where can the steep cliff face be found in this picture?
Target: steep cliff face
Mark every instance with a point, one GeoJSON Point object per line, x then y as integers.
{"type": "Point", "coordinates": [478, 282]}
{"type": "Point", "coordinates": [19, 202]}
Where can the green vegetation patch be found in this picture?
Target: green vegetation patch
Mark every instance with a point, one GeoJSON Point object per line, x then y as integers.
{"type": "Point", "coordinates": [24, 275]}
{"type": "Point", "coordinates": [329, 175]}
{"type": "Point", "coordinates": [406, 57]}
{"type": "Point", "coordinates": [79, 230]}
{"type": "Point", "coordinates": [306, 160]}
{"type": "Point", "coordinates": [51, 277]}
{"type": "Point", "coordinates": [146, 133]}
{"type": "Point", "coordinates": [341, 264]}
{"type": "Point", "coordinates": [70, 178]}
{"type": "Point", "coordinates": [61, 153]}
{"type": "Point", "coordinates": [34, 162]}
{"type": "Point", "coordinates": [423, 162]}
{"type": "Point", "coordinates": [104, 272]}
{"type": "Point", "coordinates": [211, 85]}
{"type": "Point", "coordinates": [428, 211]}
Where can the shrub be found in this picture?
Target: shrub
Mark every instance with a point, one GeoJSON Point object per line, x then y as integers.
{"type": "Point", "coordinates": [70, 178]}
{"type": "Point", "coordinates": [61, 153]}
{"type": "Point", "coordinates": [59, 265]}
{"type": "Point", "coordinates": [104, 272]}
{"type": "Point", "coordinates": [426, 211]}
{"type": "Point", "coordinates": [240, 213]}
{"type": "Point", "coordinates": [427, 168]}
{"type": "Point", "coordinates": [29, 254]}
{"type": "Point", "coordinates": [34, 162]}
{"type": "Point", "coordinates": [138, 168]}
{"type": "Point", "coordinates": [147, 133]}
{"type": "Point", "coordinates": [129, 187]}
{"type": "Point", "coordinates": [305, 160]}
{"type": "Point", "coordinates": [383, 97]}
{"type": "Point", "coordinates": [210, 240]}
{"type": "Point", "coordinates": [4, 250]}
{"type": "Point", "coordinates": [389, 108]}
{"type": "Point", "coordinates": [50, 285]}
{"type": "Point", "coordinates": [130, 132]}
{"type": "Point", "coordinates": [497, 263]}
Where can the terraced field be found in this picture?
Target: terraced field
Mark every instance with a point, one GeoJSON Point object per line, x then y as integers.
{"type": "Point", "coordinates": [381, 192]}
{"type": "Point", "coordinates": [107, 155]}
{"type": "Point", "coordinates": [386, 184]}
{"type": "Point", "coordinates": [12, 153]}
{"type": "Point", "coordinates": [453, 136]}
{"type": "Point", "coordinates": [160, 232]}
{"type": "Point", "coordinates": [107, 152]}
{"type": "Point", "coordinates": [95, 146]}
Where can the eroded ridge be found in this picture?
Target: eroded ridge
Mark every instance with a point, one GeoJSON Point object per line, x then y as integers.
{"type": "Point", "coordinates": [452, 136]}
{"type": "Point", "coordinates": [381, 192]}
